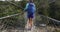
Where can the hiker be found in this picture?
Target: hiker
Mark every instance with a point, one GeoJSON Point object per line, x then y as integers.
{"type": "Point", "coordinates": [30, 9]}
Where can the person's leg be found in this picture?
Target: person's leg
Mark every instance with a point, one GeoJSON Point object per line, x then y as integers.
{"type": "Point", "coordinates": [30, 22]}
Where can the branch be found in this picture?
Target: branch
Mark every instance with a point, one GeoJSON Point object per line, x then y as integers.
{"type": "Point", "coordinates": [50, 18]}
{"type": "Point", "coordinates": [16, 5]}
{"type": "Point", "coordinates": [9, 16]}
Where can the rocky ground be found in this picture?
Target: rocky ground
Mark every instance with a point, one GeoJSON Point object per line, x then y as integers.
{"type": "Point", "coordinates": [34, 29]}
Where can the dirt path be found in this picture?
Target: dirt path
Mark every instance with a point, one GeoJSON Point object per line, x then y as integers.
{"type": "Point", "coordinates": [34, 29]}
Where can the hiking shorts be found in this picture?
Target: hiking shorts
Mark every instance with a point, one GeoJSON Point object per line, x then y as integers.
{"type": "Point", "coordinates": [30, 15]}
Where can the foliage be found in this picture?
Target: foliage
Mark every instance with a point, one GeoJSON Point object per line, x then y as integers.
{"type": "Point", "coordinates": [42, 7]}
{"type": "Point", "coordinates": [48, 9]}
{"type": "Point", "coordinates": [8, 9]}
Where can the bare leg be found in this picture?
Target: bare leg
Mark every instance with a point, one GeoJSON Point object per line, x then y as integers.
{"type": "Point", "coordinates": [30, 21]}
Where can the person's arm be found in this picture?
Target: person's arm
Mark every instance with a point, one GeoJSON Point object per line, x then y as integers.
{"type": "Point", "coordinates": [26, 7]}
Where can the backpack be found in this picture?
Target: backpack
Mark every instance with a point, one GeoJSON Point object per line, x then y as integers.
{"type": "Point", "coordinates": [30, 7]}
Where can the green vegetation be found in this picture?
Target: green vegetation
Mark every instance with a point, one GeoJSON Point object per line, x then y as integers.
{"type": "Point", "coordinates": [6, 9]}
{"type": "Point", "coordinates": [42, 7]}
{"type": "Point", "coordinates": [49, 9]}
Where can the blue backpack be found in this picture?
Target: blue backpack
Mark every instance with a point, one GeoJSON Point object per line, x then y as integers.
{"type": "Point", "coordinates": [31, 8]}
